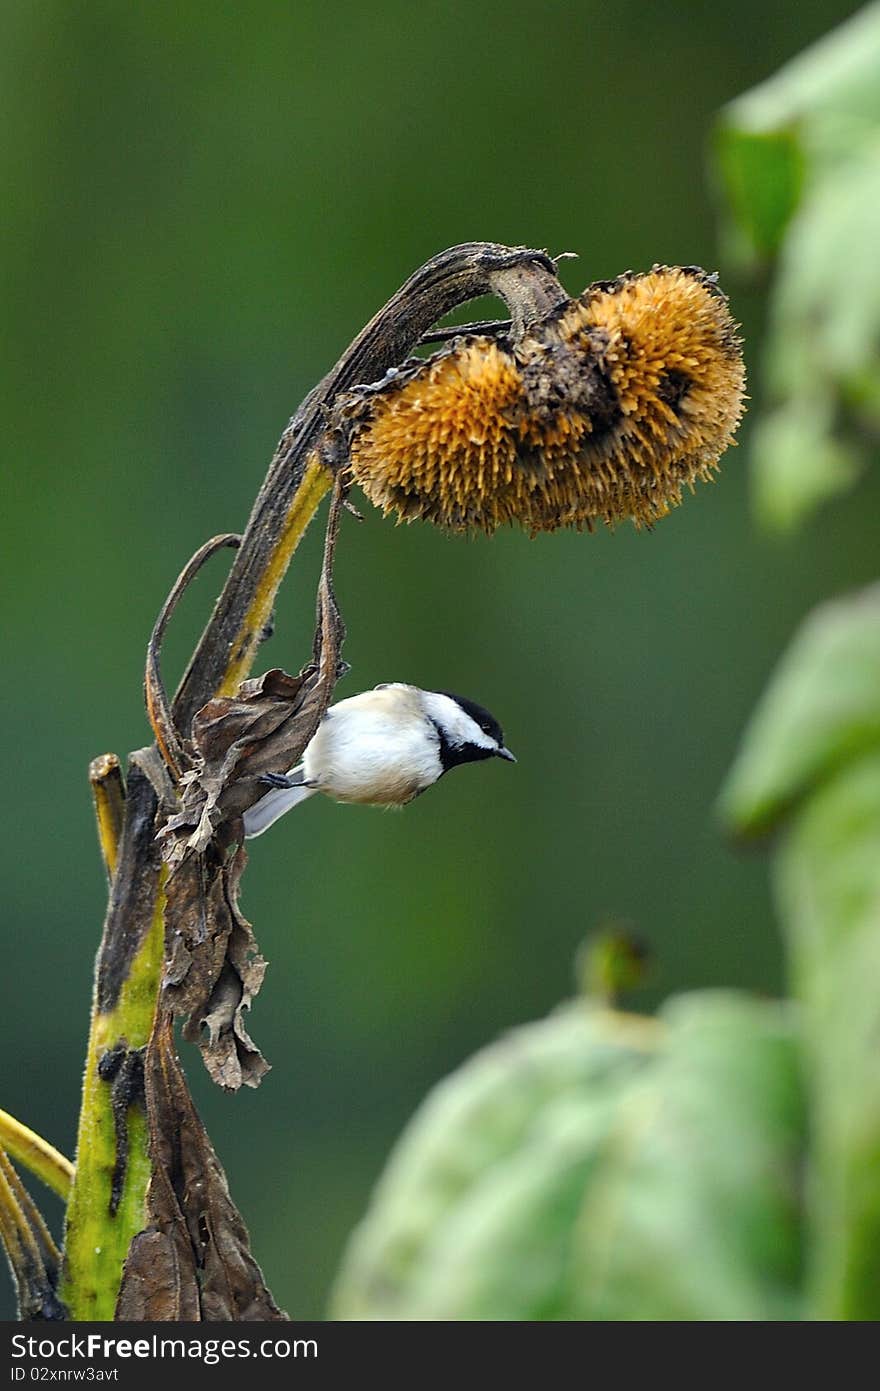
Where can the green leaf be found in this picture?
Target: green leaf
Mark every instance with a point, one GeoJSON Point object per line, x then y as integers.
{"type": "Point", "coordinates": [771, 142]}
{"type": "Point", "coordinates": [562, 1172]}
{"type": "Point", "coordinates": [828, 883]}
{"type": "Point", "coordinates": [798, 160]}
{"type": "Point", "coordinates": [503, 1251]}
{"type": "Point", "coordinates": [474, 1215]}
{"type": "Point", "coordinates": [812, 755]}
{"type": "Point", "coordinates": [694, 1211]}
{"type": "Point", "coordinates": [821, 710]}
{"type": "Point", "coordinates": [823, 353]}
{"type": "Point", "coordinates": [762, 173]}
{"type": "Point", "coordinates": [825, 325]}
{"type": "Point", "coordinates": [797, 462]}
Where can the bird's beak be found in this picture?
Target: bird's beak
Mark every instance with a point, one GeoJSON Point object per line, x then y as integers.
{"type": "Point", "coordinates": [505, 753]}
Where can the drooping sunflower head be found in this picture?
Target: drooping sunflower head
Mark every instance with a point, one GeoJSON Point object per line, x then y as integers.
{"type": "Point", "coordinates": [604, 410]}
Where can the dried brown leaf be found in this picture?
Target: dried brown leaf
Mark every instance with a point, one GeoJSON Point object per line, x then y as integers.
{"type": "Point", "coordinates": [263, 728]}
{"type": "Point", "coordinates": [159, 1283]}
{"type": "Point", "coordinates": [193, 1260]}
{"type": "Point", "coordinates": [213, 965]}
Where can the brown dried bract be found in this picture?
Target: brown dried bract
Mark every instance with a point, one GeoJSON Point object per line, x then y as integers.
{"type": "Point", "coordinates": [604, 410]}
{"type": "Point", "coordinates": [192, 1263]}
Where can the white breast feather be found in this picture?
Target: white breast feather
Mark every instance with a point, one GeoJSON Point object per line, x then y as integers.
{"type": "Point", "coordinates": [377, 747]}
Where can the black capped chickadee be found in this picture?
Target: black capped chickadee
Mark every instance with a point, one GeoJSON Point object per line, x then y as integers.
{"type": "Point", "coordinates": [383, 747]}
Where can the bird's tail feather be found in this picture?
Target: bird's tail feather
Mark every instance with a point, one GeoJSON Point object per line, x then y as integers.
{"type": "Point", "coordinates": [267, 810]}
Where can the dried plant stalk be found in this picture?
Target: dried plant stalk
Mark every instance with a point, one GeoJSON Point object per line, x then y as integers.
{"type": "Point", "coordinates": [107, 1206]}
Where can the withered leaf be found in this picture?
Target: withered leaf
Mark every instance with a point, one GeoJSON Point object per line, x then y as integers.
{"type": "Point", "coordinates": [30, 1250]}
{"type": "Point", "coordinates": [263, 728]}
{"type": "Point", "coordinates": [213, 966]}
{"type": "Point", "coordinates": [159, 1283]}
{"type": "Point", "coordinates": [192, 1263]}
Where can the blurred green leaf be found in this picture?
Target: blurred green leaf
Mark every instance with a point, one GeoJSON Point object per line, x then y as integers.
{"type": "Point", "coordinates": [762, 173]}
{"type": "Point", "coordinates": [694, 1213]}
{"type": "Point", "coordinates": [825, 323]}
{"type": "Point", "coordinates": [812, 754]}
{"type": "Point", "coordinates": [821, 710]}
{"type": "Point", "coordinates": [503, 1252]}
{"type": "Point", "coordinates": [578, 1170]}
{"type": "Point", "coordinates": [828, 882]}
{"type": "Point", "coordinates": [772, 142]}
{"type": "Point", "coordinates": [474, 1215]}
{"type": "Point", "coordinates": [798, 159]}
{"type": "Point", "coordinates": [798, 462]}
{"type": "Point", "coordinates": [823, 358]}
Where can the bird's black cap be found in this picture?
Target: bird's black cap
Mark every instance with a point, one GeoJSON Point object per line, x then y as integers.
{"type": "Point", "coordinates": [479, 714]}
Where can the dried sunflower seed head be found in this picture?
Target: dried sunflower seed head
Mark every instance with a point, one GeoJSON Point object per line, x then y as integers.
{"type": "Point", "coordinates": [605, 410]}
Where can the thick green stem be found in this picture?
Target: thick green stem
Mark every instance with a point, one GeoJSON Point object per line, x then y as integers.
{"type": "Point", "coordinates": [113, 1166]}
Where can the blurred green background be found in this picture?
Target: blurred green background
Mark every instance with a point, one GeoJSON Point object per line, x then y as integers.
{"type": "Point", "coordinates": [200, 210]}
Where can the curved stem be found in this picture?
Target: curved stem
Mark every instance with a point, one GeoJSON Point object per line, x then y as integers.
{"type": "Point", "coordinates": [159, 713]}
{"type": "Point", "coordinates": [106, 1206]}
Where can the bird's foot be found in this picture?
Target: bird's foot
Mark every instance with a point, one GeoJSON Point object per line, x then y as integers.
{"type": "Point", "coordinates": [278, 780]}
